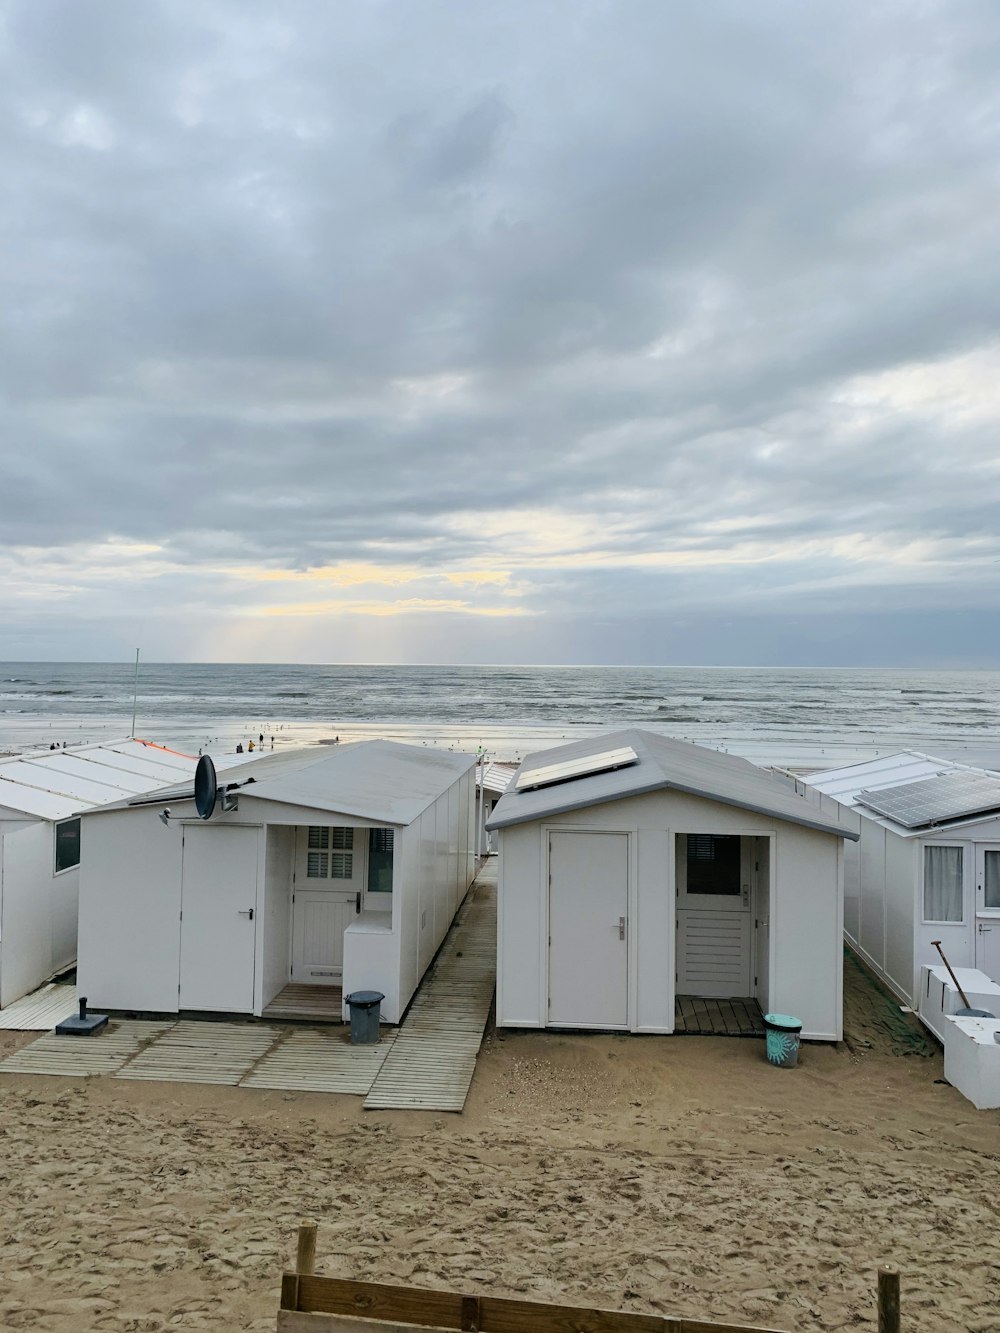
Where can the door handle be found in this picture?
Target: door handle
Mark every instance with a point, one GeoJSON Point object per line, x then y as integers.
{"type": "Point", "coordinates": [621, 927]}
{"type": "Point", "coordinates": [247, 912]}
{"type": "Point", "coordinates": [357, 903]}
{"type": "Point", "coordinates": [984, 930]}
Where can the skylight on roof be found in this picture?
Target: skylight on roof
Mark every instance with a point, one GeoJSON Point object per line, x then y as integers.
{"type": "Point", "coordinates": [586, 766]}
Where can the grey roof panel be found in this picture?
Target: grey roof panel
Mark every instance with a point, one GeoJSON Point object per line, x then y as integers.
{"type": "Point", "coordinates": [58, 784]}
{"type": "Point", "coordinates": [664, 763]}
{"type": "Point", "coordinates": [382, 781]}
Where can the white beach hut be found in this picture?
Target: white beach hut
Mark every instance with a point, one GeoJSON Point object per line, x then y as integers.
{"type": "Point", "coordinates": [635, 869]}
{"type": "Point", "coordinates": [42, 798]}
{"type": "Point", "coordinates": [927, 866]}
{"type": "Point", "coordinates": [493, 777]}
{"type": "Point", "coordinates": [321, 871]}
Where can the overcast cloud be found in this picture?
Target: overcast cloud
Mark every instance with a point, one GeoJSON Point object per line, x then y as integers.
{"type": "Point", "coordinates": [597, 332]}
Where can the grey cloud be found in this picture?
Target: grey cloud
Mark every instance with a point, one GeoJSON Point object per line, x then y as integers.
{"type": "Point", "coordinates": [231, 231]}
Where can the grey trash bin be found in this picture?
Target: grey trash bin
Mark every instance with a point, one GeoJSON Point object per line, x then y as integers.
{"type": "Point", "coordinates": [365, 1013]}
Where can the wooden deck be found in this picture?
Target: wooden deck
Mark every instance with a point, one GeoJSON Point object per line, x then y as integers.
{"type": "Point", "coordinates": [314, 1004]}
{"type": "Point", "coordinates": [41, 1010]}
{"type": "Point", "coordinates": [698, 1017]}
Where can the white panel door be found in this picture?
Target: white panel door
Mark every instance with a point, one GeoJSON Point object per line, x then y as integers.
{"type": "Point", "coordinates": [988, 910]}
{"type": "Point", "coordinates": [713, 915]}
{"type": "Point", "coordinates": [588, 930]}
{"type": "Point", "coordinates": [319, 919]}
{"type": "Point", "coordinates": [218, 903]}
{"type": "Point", "coordinates": [330, 870]}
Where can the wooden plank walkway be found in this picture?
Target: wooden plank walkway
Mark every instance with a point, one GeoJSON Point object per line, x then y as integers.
{"type": "Point", "coordinates": [220, 1053]}
{"type": "Point", "coordinates": [312, 1060]}
{"type": "Point", "coordinates": [79, 1057]}
{"type": "Point", "coordinates": [41, 1010]}
{"type": "Point", "coordinates": [319, 1004]}
{"type": "Point", "coordinates": [433, 1058]}
{"type": "Point", "coordinates": [696, 1016]}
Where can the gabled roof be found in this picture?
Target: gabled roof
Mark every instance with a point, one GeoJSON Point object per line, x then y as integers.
{"type": "Point", "coordinates": [58, 784]}
{"type": "Point", "coordinates": [666, 764]}
{"type": "Point", "coordinates": [910, 770]}
{"type": "Point", "coordinates": [381, 781]}
{"type": "Point", "coordinates": [496, 775]}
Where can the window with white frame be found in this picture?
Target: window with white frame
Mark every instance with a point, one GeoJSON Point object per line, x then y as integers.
{"type": "Point", "coordinates": [943, 884]}
{"type": "Point", "coordinates": [67, 845]}
{"type": "Point", "coordinates": [330, 853]}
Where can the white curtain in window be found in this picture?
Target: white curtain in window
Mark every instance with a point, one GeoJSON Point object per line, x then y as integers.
{"type": "Point", "coordinates": [942, 883]}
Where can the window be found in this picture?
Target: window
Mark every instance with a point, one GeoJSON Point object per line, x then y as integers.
{"type": "Point", "coordinates": [991, 880]}
{"type": "Point", "coordinates": [330, 853]}
{"type": "Point", "coordinates": [943, 884]}
{"type": "Point", "coordinates": [67, 845]}
{"type": "Point", "coordinates": [713, 864]}
{"type": "Point", "coordinates": [380, 860]}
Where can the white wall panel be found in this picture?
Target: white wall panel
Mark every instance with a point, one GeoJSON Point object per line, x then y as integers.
{"type": "Point", "coordinates": [130, 903]}
{"type": "Point", "coordinates": [275, 914]}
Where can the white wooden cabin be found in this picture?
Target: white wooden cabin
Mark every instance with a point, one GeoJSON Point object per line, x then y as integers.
{"type": "Point", "coordinates": [493, 777]}
{"type": "Point", "coordinates": [339, 869]}
{"type": "Point", "coordinates": [681, 872]}
{"type": "Point", "coordinates": [42, 798]}
{"type": "Point", "coordinates": [927, 866]}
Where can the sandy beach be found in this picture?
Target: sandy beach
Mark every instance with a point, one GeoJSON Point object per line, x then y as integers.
{"type": "Point", "coordinates": [678, 1175]}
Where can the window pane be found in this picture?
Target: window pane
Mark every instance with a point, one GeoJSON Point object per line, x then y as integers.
{"type": "Point", "coordinates": [316, 865]}
{"type": "Point", "coordinates": [67, 845]}
{"type": "Point", "coordinates": [991, 876]}
{"type": "Point", "coordinates": [342, 839]}
{"type": "Point", "coordinates": [319, 838]}
{"type": "Point", "coordinates": [713, 864]}
{"type": "Point", "coordinates": [341, 865]}
{"type": "Point", "coordinates": [380, 860]}
{"type": "Point", "coordinates": [942, 883]}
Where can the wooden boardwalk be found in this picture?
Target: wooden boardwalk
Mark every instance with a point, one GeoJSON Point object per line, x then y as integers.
{"type": "Point", "coordinates": [695, 1016]}
{"type": "Point", "coordinates": [41, 1010]}
{"type": "Point", "coordinates": [433, 1058]}
{"type": "Point", "coordinates": [80, 1057]}
{"type": "Point", "coordinates": [314, 1060]}
{"type": "Point", "coordinates": [317, 1004]}
{"type": "Point", "coordinates": [189, 1052]}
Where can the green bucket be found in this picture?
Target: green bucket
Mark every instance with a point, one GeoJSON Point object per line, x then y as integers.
{"type": "Point", "coordinates": [781, 1036]}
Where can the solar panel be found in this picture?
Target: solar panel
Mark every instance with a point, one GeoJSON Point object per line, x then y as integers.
{"type": "Point", "coordinates": [549, 774]}
{"type": "Point", "coordinates": [934, 800]}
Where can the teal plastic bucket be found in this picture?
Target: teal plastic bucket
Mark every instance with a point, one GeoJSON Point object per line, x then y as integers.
{"type": "Point", "coordinates": [781, 1036]}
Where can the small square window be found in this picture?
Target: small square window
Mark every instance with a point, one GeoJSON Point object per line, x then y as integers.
{"type": "Point", "coordinates": [319, 839]}
{"type": "Point", "coordinates": [316, 867]}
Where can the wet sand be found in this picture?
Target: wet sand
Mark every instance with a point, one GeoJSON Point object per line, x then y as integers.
{"type": "Point", "coordinates": [679, 1175]}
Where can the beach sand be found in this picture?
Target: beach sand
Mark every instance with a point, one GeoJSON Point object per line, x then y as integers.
{"type": "Point", "coordinates": [680, 1176]}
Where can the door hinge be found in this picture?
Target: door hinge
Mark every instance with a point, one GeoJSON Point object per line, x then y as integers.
{"type": "Point", "coordinates": [181, 914]}
{"type": "Point", "coordinates": [293, 897]}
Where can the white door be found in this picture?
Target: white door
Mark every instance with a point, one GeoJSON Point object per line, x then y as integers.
{"type": "Point", "coordinates": [588, 930]}
{"type": "Point", "coordinates": [218, 903]}
{"type": "Point", "coordinates": [713, 915]}
{"type": "Point", "coordinates": [330, 866]}
{"type": "Point", "coordinates": [988, 910]}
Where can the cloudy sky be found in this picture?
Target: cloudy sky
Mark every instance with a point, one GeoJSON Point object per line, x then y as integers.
{"type": "Point", "coordinates": [542, 331]}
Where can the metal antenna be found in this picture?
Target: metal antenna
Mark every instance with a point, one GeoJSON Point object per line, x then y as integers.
{"type": "Point", "coordinates": [135, 691]}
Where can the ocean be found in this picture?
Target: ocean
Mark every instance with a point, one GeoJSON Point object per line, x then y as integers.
{"type": "Point", "coordinates": [802, 717]}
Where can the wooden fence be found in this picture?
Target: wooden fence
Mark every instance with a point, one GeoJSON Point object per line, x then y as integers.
{"type": "Point", "coordinates": [314, 1304]}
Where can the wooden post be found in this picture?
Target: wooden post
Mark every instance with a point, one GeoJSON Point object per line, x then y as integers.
{"type": "Point", "coordinates": [305, 1258]}
{"type": "Point", "coordinates": [888, 1300]}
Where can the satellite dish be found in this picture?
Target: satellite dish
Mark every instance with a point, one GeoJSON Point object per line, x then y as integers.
{"type": "Point", "coordinates": [205, 787]}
